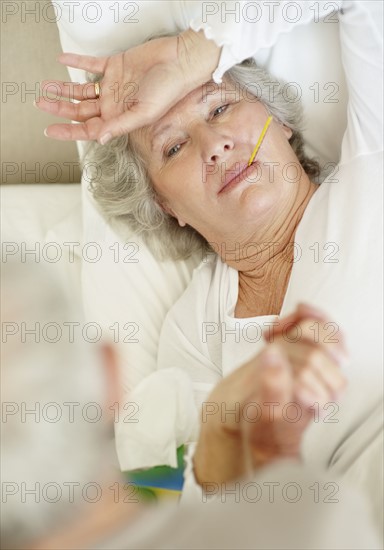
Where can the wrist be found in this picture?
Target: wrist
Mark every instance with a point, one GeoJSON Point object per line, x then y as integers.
{"type": "Point", "coordinates": [198, 55]}
{"type": "Point", "coordinates": [218, 458]}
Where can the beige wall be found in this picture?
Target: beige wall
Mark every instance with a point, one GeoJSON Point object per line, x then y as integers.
{"type": "Point", "coordinates": [29, 48]}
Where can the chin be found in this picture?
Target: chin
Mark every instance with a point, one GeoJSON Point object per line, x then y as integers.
{"type": "Point", "coordinates": [258, 202]}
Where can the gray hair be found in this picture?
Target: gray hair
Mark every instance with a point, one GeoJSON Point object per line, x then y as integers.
{"type": "Point", "coordinates": [126, 197]}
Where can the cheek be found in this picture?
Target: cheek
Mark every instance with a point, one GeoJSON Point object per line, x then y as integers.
{"type": "Point", "coordinates": [158, 184]}
{"type": "Point", "coordinates": [168, 187]}
{"type": "Point", "coordinates": [276, 152]}
{"type": "Point", "coordinates": [280, 140]}
{"type": "Point", "coordinates": [183, 181]}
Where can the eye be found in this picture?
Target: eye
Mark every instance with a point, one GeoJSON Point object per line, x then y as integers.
{"type": "Point", "coordinates": [224, 107]}
{"type": "Point", "coordinates": [172, 151]}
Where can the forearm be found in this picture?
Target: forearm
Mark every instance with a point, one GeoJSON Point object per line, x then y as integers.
{"type": "Point", "coordinates": [218, 458]}
{"type": "Point", "coordinates": [243, 30]}
{"type": "Point", "coordinates": [198, 55]}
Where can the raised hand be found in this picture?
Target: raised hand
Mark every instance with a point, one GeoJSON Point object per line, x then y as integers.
{"type": "Point", "coordinates": [137, 87]}
{"type": "Point", "coordinates": [289, 372]}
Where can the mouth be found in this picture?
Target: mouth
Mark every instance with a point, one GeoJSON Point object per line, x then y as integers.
{"type": "Point", "coordinates": [241, 174]}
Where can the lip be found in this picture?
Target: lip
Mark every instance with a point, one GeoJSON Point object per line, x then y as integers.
{"type": "Point", "coordinates": [240, 174]}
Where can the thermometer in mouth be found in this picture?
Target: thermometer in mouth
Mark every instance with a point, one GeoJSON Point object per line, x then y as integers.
{"type": "Point", "coordinates": [260, 140]}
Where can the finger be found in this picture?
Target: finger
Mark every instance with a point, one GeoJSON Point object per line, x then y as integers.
{"type": "Point", "coordinates": [307, 310]}
{"type": "Point", "coordinates": [327, 373]}
{"type": "Point", "coordinates": [304, 355]}
{"type": "Point", "coordinates": [319, 379]}
{"type": "Point", "coordinates": [326, 336]}
{"type": "Point", "coordinates": [124, 124]}
{"type": "Point", "coordinates": [317, 331]}
{"type": "Point", "coordinates": [310, 385]}
{"type": "Point", "coordinates": [305, 398]}
{"type": "Point", "coordinates": [88, 63]}
{"type": "Point", "coordinates": [70, 90]}
{"type": "Point", "coordinates": [276, 382]}
{"type": "Point", "coordinates": [86, 131]}
{"type": "Point", "coordinates": [303, 311]}
{"type": "Point", "coordinates": [80, 112]}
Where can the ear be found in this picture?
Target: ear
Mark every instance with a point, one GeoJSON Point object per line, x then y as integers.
{"type": "Point", "coordinates": [166, 208]}
{"type": "Point", "coordinates": [287, 131]}
{"type": "Point", "coordinates": [169, 211]}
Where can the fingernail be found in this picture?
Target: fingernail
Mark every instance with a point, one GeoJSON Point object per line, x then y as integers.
{"type": "Point", "coordinates": [307, 399]}
{"type": "Point", "coordinates": [340, 356]}
{"type": "Point", "coordinates": [34, 103]}
{"type": "Point", "coordinates": [46, 133]}
{"type": "Point", "coordinates": [105, 138]}
{"type": "Point", "coordinates": [344, 360]}
{"type": "Point", "coordinates": [317, 313]}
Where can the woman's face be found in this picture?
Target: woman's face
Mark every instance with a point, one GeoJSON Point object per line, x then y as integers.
{"type": "Point", "coordinates": [201, 143]}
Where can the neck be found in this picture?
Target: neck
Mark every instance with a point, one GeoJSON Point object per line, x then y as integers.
{"type": "Point", "coordinates": [264, 262]}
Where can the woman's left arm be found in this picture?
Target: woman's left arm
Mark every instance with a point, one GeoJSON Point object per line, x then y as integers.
{"type": "Point", "coordinates": [247, 27]}
{"type": "Point", "coordinates": [361, 38]}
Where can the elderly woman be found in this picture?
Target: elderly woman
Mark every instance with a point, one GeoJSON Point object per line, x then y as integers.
{"type": "Point", "coordinates": [274, 238]}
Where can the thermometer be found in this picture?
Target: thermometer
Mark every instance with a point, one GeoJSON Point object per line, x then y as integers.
{"type": "Point", "coordinates": [260, 140]}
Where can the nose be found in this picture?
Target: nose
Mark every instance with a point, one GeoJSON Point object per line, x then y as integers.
{"type": "Point", "coordinates": [215, 144]}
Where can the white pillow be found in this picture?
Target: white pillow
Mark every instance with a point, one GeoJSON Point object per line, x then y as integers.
{"type": "Point", "coordinates": [45, 219]}
{"type": "Point", "coordinates": [138, 294]}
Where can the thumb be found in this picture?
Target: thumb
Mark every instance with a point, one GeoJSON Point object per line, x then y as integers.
{"type": "Point", "coordinates": [275, 377]}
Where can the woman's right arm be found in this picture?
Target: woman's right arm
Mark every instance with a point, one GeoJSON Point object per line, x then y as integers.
{"type": "Point", "coordinates": [213, 41]}
{"type": "Point", "coordinates": [138, 86]}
